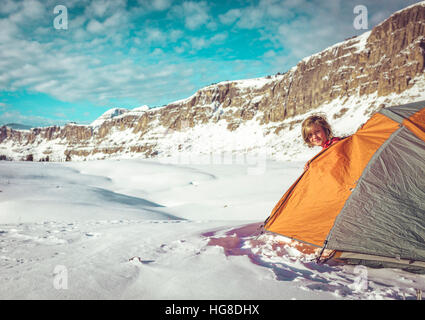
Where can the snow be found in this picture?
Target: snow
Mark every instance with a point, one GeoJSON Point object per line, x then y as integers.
{"type": "Point", "coordinates": [151, 229]}
{"type": "Point", "coordinates": [143, 108]}
{"type": "Point", "coordinates": [109, 114]}
{"type": "Point", "coordinates": [361, 41]}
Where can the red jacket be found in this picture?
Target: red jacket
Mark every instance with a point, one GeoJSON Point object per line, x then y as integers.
{"type": "Point", "coordinates": [330, 142]}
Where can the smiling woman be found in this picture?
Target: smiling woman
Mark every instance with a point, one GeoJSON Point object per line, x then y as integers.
{"type": "Point", "coordinates": [316, 131]}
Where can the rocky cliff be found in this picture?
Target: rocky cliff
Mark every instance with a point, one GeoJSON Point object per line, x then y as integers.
{"type": "Point", "coordinates": [351, 79]}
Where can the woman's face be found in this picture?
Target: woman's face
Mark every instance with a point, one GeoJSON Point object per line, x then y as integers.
{"type": "Point", "coordinates": [317, 135]}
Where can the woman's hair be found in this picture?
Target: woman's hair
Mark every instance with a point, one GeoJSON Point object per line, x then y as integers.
{"type": "Point", "coordinates": [318, 120]}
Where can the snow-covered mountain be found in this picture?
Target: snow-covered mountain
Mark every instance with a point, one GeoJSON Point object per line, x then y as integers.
{"type": "Point", "coordinates": [348, 81]}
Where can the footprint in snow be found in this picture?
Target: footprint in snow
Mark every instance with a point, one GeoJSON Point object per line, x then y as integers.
{"type": "Point", "coordinates": [92, 234]}
{"type": "Point", "coordinates": [138, 260]}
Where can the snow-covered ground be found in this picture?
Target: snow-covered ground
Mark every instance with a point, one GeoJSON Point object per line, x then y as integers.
{"type": "Point", "coordinates": [148, 229]}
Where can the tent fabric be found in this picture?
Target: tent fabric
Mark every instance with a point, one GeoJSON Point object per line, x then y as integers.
{"type": "Point", "coordinates": [381, 262]}
{"type": "Point", "coordinates": [399, 113]}
{"type": "Point", "coordinates": [388, 203]}
{"type": "Point", "coordinates": [416, 124]}
{"type": "Point", "coordinates": [364, 194]}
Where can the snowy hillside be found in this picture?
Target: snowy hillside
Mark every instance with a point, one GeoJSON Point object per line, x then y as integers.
{"type": "Point", "coordinates": [143, 229]}
{"type": "Point", "coordinates": [280, 142]}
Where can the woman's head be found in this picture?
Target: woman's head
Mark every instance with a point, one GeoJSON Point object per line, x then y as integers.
{"type": "Point", "coordinates": [316, 130]}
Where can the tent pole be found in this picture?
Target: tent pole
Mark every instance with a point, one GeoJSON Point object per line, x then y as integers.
{"type": "Point", "coordinates": [318, 259]}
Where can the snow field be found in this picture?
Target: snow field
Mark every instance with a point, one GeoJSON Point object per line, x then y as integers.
{"type": "Point", "coordinates": [142, 229]}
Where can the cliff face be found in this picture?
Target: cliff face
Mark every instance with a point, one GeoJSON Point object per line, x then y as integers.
{"type": "Point", "coordinates": [369, 69]}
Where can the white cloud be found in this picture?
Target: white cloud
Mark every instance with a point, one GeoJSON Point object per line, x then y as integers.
{"type": "Point", "coordinates": [29, 10]}
{"type": "Point", "coordinates": [194, 14]}
{"type": "Point", "coordinates": [199, 43]}
{"type": "Point", "coordinates": [218, 38]}
{"type": "Point", "coordinates": [9, 31]}
{"type": "Point", "coordinates": [76, 22]}
{"type": "Point", "coordinates": [158, 37]}
{"type": "Point", "coordinates": [161, 4]}
{"type": "Point", "coordinates": [252, 17]}
{"type": "Point", "coordinates": [95, 26]}
{"type": "Point", "coordinates": [101, 18]}
{"type": "Point", "coordinates": [295, 28]}
{"type": "Point", "coordinates": [212, 25]}
{"type": "Point", "coordinates": [175, 35]}
{"type": "Point", "coordinates": [181, 49]}
{"type": "Point", "coordinates": [230, 16]}
{"type": "Point", "coordinates": [115, 21]}
{"type": "Point", "coordinates": [112, 25]}
{"type": "Point", "coordinates": [8, 6]}
{"type": "Point", "coordinates": [155, 36]}
{"type": "Point", "coordinates": [269, 54]}
{"type": "Point", "coordinates": [104, 8]}
{"type": "Point", "coordinates": [155, 5]}
{"type": "Point", "coordinates": [157, 52]}
{"type": "Point", "coordinates": [72, 76]}
{"type": "Point", "coordinates": [98, 8]}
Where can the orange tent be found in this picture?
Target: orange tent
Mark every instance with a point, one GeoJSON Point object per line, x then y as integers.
{"type": "Point", "coordinates": [364, 195]}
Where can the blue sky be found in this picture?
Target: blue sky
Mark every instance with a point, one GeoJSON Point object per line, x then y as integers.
{"type": "Point", "coordinates": [128, 53]}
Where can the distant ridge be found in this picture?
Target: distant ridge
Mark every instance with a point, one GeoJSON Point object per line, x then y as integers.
{"type": "Point", "coordinates": [18, 126]}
